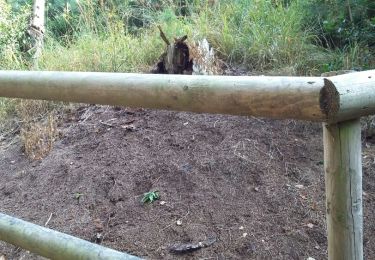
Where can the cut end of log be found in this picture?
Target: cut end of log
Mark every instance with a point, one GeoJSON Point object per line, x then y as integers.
{"type": "Point", "coordinates": [329, 99]}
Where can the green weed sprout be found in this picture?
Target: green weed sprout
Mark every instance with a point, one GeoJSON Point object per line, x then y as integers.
{"type": "Point", "coordinates": [150, 196]}
{"type": "Point", "coordinates": [77, 195]}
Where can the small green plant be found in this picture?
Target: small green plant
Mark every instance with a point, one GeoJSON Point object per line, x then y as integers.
{"type": "Point", "coordinates": [77, 195]}
{"type": "Point", "coordinates": [150, 197]}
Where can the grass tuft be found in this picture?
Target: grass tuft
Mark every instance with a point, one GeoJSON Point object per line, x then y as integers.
{"type": "Point", "coordinates": [262, 35]}
{"type": "Point", "coordinates": [114, 53]}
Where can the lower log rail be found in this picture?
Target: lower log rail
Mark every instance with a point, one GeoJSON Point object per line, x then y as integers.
{"type": "Point", "coordinates": [53, 244]}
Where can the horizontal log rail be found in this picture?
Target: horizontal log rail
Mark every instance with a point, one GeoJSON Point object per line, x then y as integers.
{"type": "Point", "coordinates": [329, 99]}
{"type": "Point", "coordinates": [52, 244]}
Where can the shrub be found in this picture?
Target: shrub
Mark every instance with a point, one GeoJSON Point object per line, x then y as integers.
{"type": "Point", "coordinates": [262, 35]}
{"type": "Point", "coordinates": [341, 23]}
{"type": "Point", "coordinates": [13, 37]}
{"type": "Point", "coordinates": [38, 138]}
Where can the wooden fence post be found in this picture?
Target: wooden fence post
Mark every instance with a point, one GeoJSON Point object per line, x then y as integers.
{"type": "Point", "coordinates": [343, 177]}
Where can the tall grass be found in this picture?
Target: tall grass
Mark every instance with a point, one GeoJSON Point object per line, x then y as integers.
{"type": "Point", "coordinates": [263, 35]}
{"type": "Point", "coordinates": [115, 49]}
{"type": "Point", "coordinates": [354, 56]}
{"type": "Point", "coordinates": [7, 107]}
{"type": "Point", "coordinates": [90, 52]}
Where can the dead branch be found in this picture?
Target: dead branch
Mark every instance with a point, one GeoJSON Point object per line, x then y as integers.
{"type": "Point", "coordinates": [162, 35]}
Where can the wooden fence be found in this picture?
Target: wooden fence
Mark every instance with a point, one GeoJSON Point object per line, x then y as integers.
{"type": "Point", "coordinates": [338, 102]}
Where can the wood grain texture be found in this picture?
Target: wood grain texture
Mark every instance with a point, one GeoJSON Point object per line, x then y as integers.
{"type": "Point", "coordinates": [343, 176]}
{"type": "Point", "coordinates": [331, 99]}
{"type": "Point", "coordinates": [275, 97]}
{"type": "Point", "coordinates": [356, 95]}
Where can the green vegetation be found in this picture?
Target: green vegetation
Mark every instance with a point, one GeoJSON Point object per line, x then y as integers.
{"type": "Point", "coordinates": [341, 23]}
{"type": "Point", "coordinates": [150, 197]}
{"type": "Point", "coordinates": [305, 36]}
{"type": "Point", "coordinates": [111, 53]}
{"type": "Point", "coordinates": [77, 195]}
{"type": "Point", "coordinates": [13, 37]}
{"type": "Point", "coordinates": [346, 27]}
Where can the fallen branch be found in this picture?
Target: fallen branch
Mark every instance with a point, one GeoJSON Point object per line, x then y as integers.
{"type": "Point", "coordinates": [190, 247]}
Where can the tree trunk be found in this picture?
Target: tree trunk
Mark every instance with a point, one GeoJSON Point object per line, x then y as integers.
{"type": "Point", "coordinates": [36, 31]}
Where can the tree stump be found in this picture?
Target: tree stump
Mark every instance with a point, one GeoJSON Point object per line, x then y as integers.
{"type": "Point", "coordinates": [176, 58]}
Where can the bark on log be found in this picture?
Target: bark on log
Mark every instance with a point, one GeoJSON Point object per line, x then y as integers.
{"type": "Point", "coordinates": [306, 98]}
{"type": "Point", "coordinates": [355, 93]}
{"type": "Point", "coordinates": [275, 97]}
{"type": "Point", "coordinates": [36, 31]}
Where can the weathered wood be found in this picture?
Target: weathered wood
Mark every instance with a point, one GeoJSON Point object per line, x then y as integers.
{"type": "Point", "coordinates": [176, 58]}
{"type": "Point", "coordinates": [356, 94]}
{"type": "Point", "coordinates": [276, 97]}
{"type": "Point", "coordinates": [52, 244]}
{"type": "Point", "coordinates": [343, 176]}
{"type": "Point", "coordinates": [162, 35]}
{"type": "Point", "coordinates": [331, 99]}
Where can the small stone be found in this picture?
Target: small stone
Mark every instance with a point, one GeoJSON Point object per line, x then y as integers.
{"type": "Point", "coordinates": [299, 186]}
{"type": "Point", "coordinates": [179, 222]}
{"type": "Point", "coordinates": [186, 123]}
{"type": "Point", "coordinates": [244, 235]}
{"type": "Point", "coordinates": [256, 189]}
{"type": "Point", "coordinates": [162, 202]}
{"type": "Point", "coordinates": [310, 225]}
{"type": "Point", "coordinates": [310, 258]}
{"type": "Point", "coordinates": [241, 228]}
{"type": "Point", "coordinates": [12, 162]}
{"type": "Point", "coordinates": [98, 238]}
{"type": "Point", "coordinates": [317, 247]}
{"type": "Point", "coordinates": [286, 229]}
{"type": "Point", "coordinates": [130, 127]}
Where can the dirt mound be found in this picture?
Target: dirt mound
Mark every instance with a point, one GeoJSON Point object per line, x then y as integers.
{"type": "Point", "coordinates": [252, 187]}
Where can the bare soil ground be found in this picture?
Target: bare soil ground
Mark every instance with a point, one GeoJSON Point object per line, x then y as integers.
{"type": "Point", "coordinates": [255, 186]}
